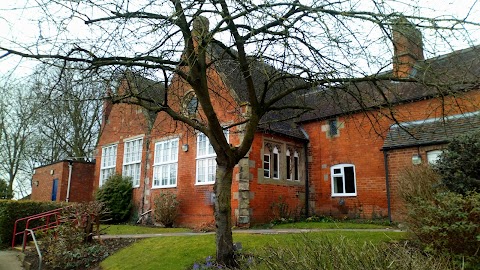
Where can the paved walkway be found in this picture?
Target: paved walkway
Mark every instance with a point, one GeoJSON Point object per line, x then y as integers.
{"type": "Point", "coordinates": [9, 260]}
{"type": "Point", "coordinates": [248, 231]}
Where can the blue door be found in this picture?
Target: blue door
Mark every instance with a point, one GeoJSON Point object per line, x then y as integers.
{"type": "Point", "coordinates": [54, 189]}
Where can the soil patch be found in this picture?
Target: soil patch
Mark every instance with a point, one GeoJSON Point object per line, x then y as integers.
{"type": "Point", "coordinates": [111, 246]}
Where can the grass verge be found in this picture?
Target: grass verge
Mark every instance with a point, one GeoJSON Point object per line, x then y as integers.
{"type": "Point", "coordinates": [180, 252]}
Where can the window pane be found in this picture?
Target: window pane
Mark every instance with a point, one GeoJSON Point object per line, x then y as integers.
{"type": "Point", "coordinates": [289, 168]}
{"type": "Point", "coordinates": [266, 165]}
{"type": "Point", "coordinates": [295, 168]}
{"type": "Point", "coordinates": [349, 180]}
{"type": "Point", "coordinates": [433, 156]}
{"type": "Point", "coordinates": [338, 184]}
{"type": "Point", "coordinates": [333, 127]}
{"type": "Point", "coordinates": [200, 171]}
{"type": "Point", "coordinates": [275, 165]}
{"type": "Point", "coordinates": [337, 171]}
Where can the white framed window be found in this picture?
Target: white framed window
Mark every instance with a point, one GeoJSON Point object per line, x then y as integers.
{"type": "Point", "coordinates": [108, 162]}
{"type": "Point", "coordinates": [266, 165]}
{"type": "Point", "coordinates": [276, 163]}
{"type": "Point", "coordinates": [293, 165]}
{"type": "Point", "coordinates": [165, 164]}
{"type": "Point", "coordinates": [132, 160]}
{"type": "Point", "coordinates": [343, 180]}
{"type": "Point", "coordinates": [206, 163]}
{"type": "Point", "coordinates": [433, 156]}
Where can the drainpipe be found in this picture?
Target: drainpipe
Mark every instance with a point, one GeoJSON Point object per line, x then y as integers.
{"type": "Point", "coordinates": [70, 168]}
{"type": "Point", "coordinates": [387, 183]}
{"type": "Point", "coordinates": [307, 186]}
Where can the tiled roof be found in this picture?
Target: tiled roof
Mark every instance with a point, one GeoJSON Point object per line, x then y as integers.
{"type": "Point", "coordinates": [449, 74]}
{"type": "Point", "coordinates": [280, 122]}
{"type": "Point", "coordinates": [145, 88]}
{"type": "Point", "coordinates": [431, 131]}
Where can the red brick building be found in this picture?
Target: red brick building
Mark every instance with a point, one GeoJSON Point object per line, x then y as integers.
{"type": "Point", "coordinates": [65, 180]}
{"type": "Point", "coordinates": [341, 159]}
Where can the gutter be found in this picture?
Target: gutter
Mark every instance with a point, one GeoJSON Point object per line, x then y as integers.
{"type": "Point", "coordinates": [387, 184]}
{"type": "Point", "coordinates": [70, 168]}
{"type": "Point", "coordinates": [307, 186]}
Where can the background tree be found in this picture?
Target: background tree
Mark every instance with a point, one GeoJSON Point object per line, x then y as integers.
{"type": "Point", "coordinates": [18, 132]}
{"type": "Point", "coordinates": [70, 115]}
{"type": "Point", "coordinates": [277, 48]}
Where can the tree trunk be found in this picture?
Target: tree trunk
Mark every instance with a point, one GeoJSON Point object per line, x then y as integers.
{"type": "Point", "coordinates": [223, 217]}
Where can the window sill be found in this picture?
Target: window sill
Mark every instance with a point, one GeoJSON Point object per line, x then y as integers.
{"type": "Point", "coordinates": [161, 187]}
{"type": "Point", "coordinates": [344, 195]}
{"type": "Point", "coordinates": [204, 184]}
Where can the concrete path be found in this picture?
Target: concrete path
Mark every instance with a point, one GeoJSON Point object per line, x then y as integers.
{"type": "Point", "coordinates": [247, 231]}
{"type": "Point", "coordinates": [9, 260]}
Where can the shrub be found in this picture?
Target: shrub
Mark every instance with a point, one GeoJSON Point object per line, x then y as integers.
{"type": "Point", "coordinates": [328, 253]}
{"type": "Point", "coordinates": [448, 224]}
{"type": "Point", "coordinates": [166, 208]}
{"type": "Point", "coordinates": [70, 245]}
{"type": "Point", "coordinates": [10, 211]}
{"type": "Point", "coordinates": [459, 165]}
{"type": "Point", "coordinates": [116, 194]}
{"type": "Point", "coordinates": [283, 212]}
{"type": "Point", "coordinates": [418, 182]}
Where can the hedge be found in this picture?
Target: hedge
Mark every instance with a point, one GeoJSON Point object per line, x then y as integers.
{"type": "Point", "coordinates": [10, 211]}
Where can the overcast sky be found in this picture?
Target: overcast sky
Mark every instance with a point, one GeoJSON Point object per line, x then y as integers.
{"type": "Point", "coordinates": [19, 23]}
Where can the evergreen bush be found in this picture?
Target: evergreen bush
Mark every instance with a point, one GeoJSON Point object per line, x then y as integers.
{"type": "Point", "coordinates": [10, 211]}
{"type": "Point", "coordinates": [449, 224]}
{"type": "Point", "coordinates": [116, 193]}
{"type": "Point", "coordinates": [459, 164]}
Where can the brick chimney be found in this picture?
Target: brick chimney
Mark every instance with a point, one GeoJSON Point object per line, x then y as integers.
{"type": "Point", "coordinates": [200, 28]}
{"type": "Point", "coordinates": [407, 47]}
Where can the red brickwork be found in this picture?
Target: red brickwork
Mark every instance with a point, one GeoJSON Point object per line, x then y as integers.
{"type": "Point", "coordinates": [81, 183]}
{"type": "Point", "coordinates": [359, 142]}
{"type": "Point", "coordinates": [400, 160]}
{"type": "Point", "coordinates": [196, 201]}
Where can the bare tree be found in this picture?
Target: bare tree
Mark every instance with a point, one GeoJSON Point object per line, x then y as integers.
{"type": "Point", "coordinates": [276, 50]}
{"type": "Point", "coordinates": [18, 120]}
{"type": "Point", "coordinates": [69, 118]}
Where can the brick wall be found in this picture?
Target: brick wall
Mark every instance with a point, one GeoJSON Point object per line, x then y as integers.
{"type": "Point", "coordinates": [359, 142]}
{"type": "Point", "coordinates": [81, 184]}
{"type": "Point", "coordinates": [400, 160]}
{"type": "Point", "coordinates": [126, 121]}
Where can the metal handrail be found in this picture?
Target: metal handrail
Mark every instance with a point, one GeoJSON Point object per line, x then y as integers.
{"type": "Point", "coordinates": [32, 233]}
{"type": "Point", "coordinates": [46, 226]}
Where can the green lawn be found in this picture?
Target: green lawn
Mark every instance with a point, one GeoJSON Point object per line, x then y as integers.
{"type": "Point", "coordinates": [133, 229]}
{"type": "Point", "coordinates": [182, 251]}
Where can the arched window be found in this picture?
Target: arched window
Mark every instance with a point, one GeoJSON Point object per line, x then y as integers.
{"type": "Point", "coordinates": [190, 103]}
{"type": "Point", "coordinates": [275, 164]}
{"type": "Point", "coordinates": [288, 164]}
{"type": "Point", "coordinates": [296, 166]}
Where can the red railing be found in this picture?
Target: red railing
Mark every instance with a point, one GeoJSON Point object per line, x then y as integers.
{"type": "Point", "coordinates": [51, 219]}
